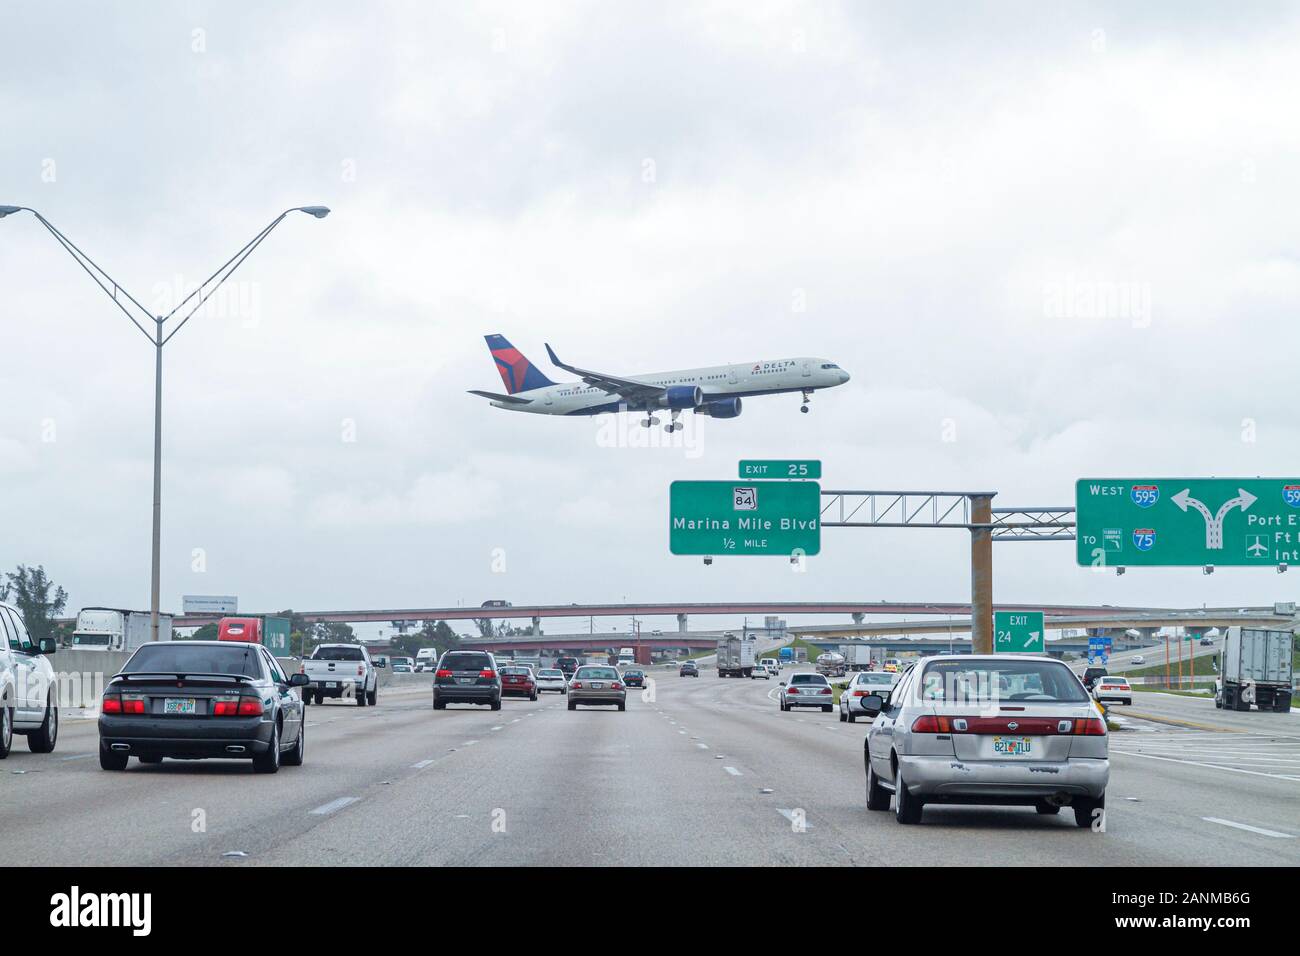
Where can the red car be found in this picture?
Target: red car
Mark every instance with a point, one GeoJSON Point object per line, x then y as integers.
{"type": "Point", "coordinates": [518, 681]}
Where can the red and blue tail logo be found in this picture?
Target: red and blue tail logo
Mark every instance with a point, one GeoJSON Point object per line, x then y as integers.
{"type": "Point", "coordinates": [518, 374]}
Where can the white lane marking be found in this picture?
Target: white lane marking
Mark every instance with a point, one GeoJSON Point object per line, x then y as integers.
{"type": "Point", "coordinates": [497, 727]}
{"type": "Point", "coordinates": [1246, 826]}
{"type": "Point", "coordinates": [1211, 766]}
{"type": "Point", "coordinates": [789, 815]}
{"type": "Point", "coordinates": [733, 771]}
{"type": "Point", "coordinates": [469, 743]}
{"type": "Point", "coordinates": [681, 731]}
{"type": "Point", "coordinates": [421, 765]}
{"type": "Point", "coordinates": [703, 746]}
{"type": "Point", "coordinates": [515, 721]}
{"type": "Point", "coordinates": [77, 757]}
{"type": "Point", "coordinates": [333, 805]}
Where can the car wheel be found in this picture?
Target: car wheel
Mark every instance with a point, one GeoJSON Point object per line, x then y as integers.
{"type": "Point", "coordinates": [853, 718]}
{"type": "Point", "coordinates": [439, 704]}
{"type": "Point", "coordinates": [573, 705]}
{"type": "Point", "coordinates": [622, 706]}
{"type": "Point", "coordinates": [361, 699]}
{"type": "Point", "coordinates": [42, 740]}
{"type": "Point", "coordinates": [843, 716]}
{"type": "Point", "coordinates": [1084, 808]}
{"type": "Point", "coordinates": [1046, 809]}
{"type": "Point", "coordinates": [907, 808]}
{"type": "Point", "coordinates": [826, 708]}
{"type": "Point", "coordinates": [533, 697]}
{"type": "Point", "coordinates": [373, 697]}
{"type": "Point", "coordinates": [111, 759]}
{"type": "Point", "coordinates": [496, 704]}
{"type": "Point", "coordinates": [6, 731]}
{"type": "Point", "coordinates": [877, 796]}
{"type": "Point", "coordinates": [269, 762]}
{"type": "Point", "coordinates": [306, 698]}
{"type": "Point", "coordinates": [294, 757]}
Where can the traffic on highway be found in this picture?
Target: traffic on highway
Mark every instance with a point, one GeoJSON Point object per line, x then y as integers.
{"type": "Point", "coordinates": [737, 437]}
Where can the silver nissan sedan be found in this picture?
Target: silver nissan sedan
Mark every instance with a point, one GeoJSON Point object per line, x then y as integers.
{"type": "Point", "coordinates": [996, 729]}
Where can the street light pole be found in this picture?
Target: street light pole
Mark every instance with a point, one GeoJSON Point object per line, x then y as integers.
{"type": "Point", "coordinates": [111, 287]}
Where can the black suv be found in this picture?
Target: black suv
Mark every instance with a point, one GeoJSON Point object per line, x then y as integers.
{"type": "Point", "coordinates": [567, 664]}
{"type": "Point", "coordinates": [1090, 676]}
{"type": "Point", "coordinates": [689, 669]}
{"type": "Point", "coordinates": [467, 677]}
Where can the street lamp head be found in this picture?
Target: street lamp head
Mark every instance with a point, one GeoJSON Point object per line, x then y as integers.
{"type": "Point", "coordinates": [9, 210]}
{"type": "Point", "coordinates": [320, 212]}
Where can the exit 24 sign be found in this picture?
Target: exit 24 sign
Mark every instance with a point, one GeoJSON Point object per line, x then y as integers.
{"type": "Point", "coordinates": [1019, 632]}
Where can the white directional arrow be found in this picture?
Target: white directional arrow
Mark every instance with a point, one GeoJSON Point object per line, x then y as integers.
{"type": "Point", "coordinates": [1033, 639]}
{"type": "Point", "coordinates": [1214, 523]}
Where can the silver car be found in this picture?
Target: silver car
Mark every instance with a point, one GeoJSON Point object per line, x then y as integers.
{"type": "Point", "coordinates": [996, 729]}
{"type": "Point", "coordinates": [594, 684]}
{"type": "Point", "coordinates": [807, 689]}
{"type": "Point", "coordinates": [863, 684]}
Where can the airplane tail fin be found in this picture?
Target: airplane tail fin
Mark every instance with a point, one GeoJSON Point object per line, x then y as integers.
{"type": "Point", "coordinates": [518, 374]}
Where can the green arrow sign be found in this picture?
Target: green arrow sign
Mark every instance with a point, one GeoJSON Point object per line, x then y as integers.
{"type": "Point", "coordinates": [1174, 522]}
{"type": "Point", "coordinates": [799, 468]}
{"type": "Point", "coordinates": [744, 517]}
{"type": "Point", "coordinates": [1019, 632]}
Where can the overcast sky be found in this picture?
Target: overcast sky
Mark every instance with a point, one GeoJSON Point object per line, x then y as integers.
{"type": "Point", "coordinates": [1048, 242]}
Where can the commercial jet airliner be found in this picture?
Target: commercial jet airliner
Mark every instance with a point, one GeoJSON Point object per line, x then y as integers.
{"type": "Point", "coordinates": [715, 391]}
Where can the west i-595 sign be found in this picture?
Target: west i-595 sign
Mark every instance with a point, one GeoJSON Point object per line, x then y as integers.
{"type": "Point", "coordinates": [1164, 522]}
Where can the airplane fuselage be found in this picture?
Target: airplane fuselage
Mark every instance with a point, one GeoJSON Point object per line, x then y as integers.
{"type": "Point", "coordinates": [717, 382]}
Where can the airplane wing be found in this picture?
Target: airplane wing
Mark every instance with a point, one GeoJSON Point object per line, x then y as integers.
{"type": "Point", "coordinates": [508, 399]}
{"type": "Point", "coordinates": [632, 391]}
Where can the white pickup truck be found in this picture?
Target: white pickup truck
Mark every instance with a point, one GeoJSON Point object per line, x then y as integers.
{"type": "Point", "coordinates": [341, 670]}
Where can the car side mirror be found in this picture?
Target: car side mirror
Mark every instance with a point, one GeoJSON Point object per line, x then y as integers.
{"type": "Point", "coordinates": [47, 645]}
{"type": "Point", "coordinates": [381, 664]}
{"type": "Point", "coordinates": [782, 684]}
{"type": "Point", "coordinates": [299, 680]}
{"type": "Point", "coordinates": [873, 704]}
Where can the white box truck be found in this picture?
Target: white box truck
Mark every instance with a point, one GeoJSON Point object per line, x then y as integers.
{"type": "Point", "coordinates": [735, 656]}
{"type": "Point", "coordinates": [857, 657]}
{"type": "Point", "coordinates": [113, 629]}
{"type": "Point", "coordinates": [1255, 668]}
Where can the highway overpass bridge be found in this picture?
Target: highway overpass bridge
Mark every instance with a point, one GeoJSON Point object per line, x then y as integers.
{"type": "Point", "coordinates": [857, 610]}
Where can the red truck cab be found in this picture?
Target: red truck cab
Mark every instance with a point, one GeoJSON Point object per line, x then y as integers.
{"type": "Point", "coordinates": [247, 629]}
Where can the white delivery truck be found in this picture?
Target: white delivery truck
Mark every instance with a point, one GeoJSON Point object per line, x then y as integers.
{"type": "Point", "coordinates": [1255, 669]}
{"type": "Point", "coordinates": [857, 657]}
{"type": "Point", "coordinates": [113, 629]}
{"type": "Point", "coordinates": [626, 656]}
{"type": "Point", "coordinates": [735, 656]}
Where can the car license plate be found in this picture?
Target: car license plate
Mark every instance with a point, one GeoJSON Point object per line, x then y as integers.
{"type": "Point", "coordinates": [1011, 746]}
{"type": "Point", "coordinates": [597, 685]}
{"type": "Point", "coordinates": [464, 680]}
{"type": "Point", "coordinates": [178, 705]}
{"type": "Point", "coordinates": [331, 684]}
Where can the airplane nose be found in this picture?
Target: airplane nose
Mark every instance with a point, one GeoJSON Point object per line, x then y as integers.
{"type": "Point", "coordinates": [844, 376]}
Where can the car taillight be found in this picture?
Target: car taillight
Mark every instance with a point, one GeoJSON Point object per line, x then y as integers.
{"type": "Point", "coordinates": [132, 705]}
{"type": "Point", "coordinates": [111, 704]}
{"type": "Point", "coordinates": [225, 706]}
{"type": "Point", "coordinates": [931, 724]}
{"type": "Point", "coordinates": [487, 672]}
{"type": "Point", "coordinates": [825, 690]}
{"type": "Point", "coordinates": [1089, 727]}
{"type": "Point", "coordinates": [442, 673]}
{"type": "Point", "coordinates": [361, 669]}
{"type": "Point", "coordinates": [615, 686]}
{"type": "Point", "coordinates": [250, 706]}
{"type": "Point", "coordinates": [576, 683]}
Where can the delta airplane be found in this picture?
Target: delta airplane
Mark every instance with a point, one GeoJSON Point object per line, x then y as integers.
{"type": "Point", "coordinates": [715, 391]}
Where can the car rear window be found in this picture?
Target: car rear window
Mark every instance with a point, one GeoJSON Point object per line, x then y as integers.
{"type": "Point", "coordinates": [808, 679]}
{"type": "Point", "coordinates": [178, 657]}
{"type": "Point", "coordinates": [464, 661]}
{"type": "Point", "coordinates": [337, 654]}
{"type": "Point", "coordinates": [1011, 680]}
{"type": "Point", "coordinates": [598, 673]}
{"type": "Point", "coordinates": [550, 673]}
{"type": "Point", "coordinates": [516, 670]}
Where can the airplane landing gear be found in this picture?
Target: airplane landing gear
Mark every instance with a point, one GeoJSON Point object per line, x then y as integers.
{"type": "Point", "coordinates": [674, 425]}
{"type": "Point", "coordinates": [648, 421]}
{"type": "Point", "coordinates": [807, 397]}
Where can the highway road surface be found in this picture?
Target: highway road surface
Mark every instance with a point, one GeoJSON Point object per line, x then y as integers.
{"type": "Point", "coordinates": [706, 771]}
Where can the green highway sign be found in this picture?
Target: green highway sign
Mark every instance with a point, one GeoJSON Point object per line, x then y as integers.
{"type": "Point", "coordinates": [744, 517]}
{"type": "Point", "coordinates": [799, 468]}
{"type": "Point", "coordinates": [1187, 522]}
{"type": "Point", "coordinates": [1019, 632]}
